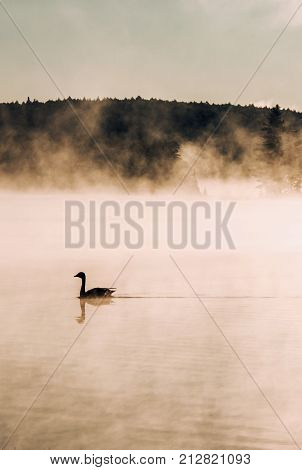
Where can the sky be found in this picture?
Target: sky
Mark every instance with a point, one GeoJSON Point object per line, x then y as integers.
{"type": "Point", "coordinates": [188, 50]}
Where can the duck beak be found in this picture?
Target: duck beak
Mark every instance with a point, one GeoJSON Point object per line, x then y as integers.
{"type": "Point", "coordinates": [75, 275]}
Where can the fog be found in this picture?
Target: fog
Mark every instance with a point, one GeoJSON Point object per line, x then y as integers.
{"type": "Point", "coordinates": [150, 146]}
{"type": "Point", "coordinates": [157, 367]}
{"type": "Point", "coordinates": [151, 370]}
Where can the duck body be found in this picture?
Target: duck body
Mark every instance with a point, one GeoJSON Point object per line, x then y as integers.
{"type": "Point", "coordinates": [93, 293]}
{"type": "Point", "coordinates": [98, 292]}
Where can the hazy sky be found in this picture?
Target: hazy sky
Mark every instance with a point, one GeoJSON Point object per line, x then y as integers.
{"type": "Point", "coordinates": [203, 50]}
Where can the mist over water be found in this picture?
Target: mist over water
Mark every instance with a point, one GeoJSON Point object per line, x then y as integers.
{"type": "Point", "coordinates": [149, 146]}
{"type": "Point", "coordinates": [163, 364]}
{"type": "Point", "coordinates": [200, 346]}
{"type": "Point", "coordinates": [151, 370]}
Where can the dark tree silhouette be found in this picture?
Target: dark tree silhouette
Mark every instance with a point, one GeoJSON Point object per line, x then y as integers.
{"type": "Point", "coordinates": [140, 137]}
{"type": "Point", "coordinates": [272, 129]}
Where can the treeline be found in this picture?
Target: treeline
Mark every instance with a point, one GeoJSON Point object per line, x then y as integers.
{"type": "Point", "coordinates": [141, 138]}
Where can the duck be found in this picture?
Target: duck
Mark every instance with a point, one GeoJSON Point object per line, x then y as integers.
{"type": "Point", "coordinates": [93, 293]}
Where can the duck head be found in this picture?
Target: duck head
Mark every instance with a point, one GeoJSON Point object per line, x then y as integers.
{"type": "Point", "coordinates": [81, 275]}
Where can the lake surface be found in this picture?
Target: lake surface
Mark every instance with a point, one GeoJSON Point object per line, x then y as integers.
{"type": "Point", "coordinates": [156, 368]}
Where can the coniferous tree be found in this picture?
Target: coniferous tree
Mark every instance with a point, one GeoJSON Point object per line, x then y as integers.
{"type": "Point", "coordinates": [272, 130]}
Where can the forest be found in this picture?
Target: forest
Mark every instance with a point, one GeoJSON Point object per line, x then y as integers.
{"type": "Point", "coordinates": [70, 142]}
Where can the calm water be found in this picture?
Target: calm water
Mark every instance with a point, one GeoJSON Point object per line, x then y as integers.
{"type": "Point", "coordinates": [151, 370]}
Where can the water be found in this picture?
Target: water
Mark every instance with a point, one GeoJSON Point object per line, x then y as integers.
{"type": "Point", "coordinates": [155, 368]}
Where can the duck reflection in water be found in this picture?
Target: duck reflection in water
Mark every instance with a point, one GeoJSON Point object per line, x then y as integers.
{"type": "Point", "coordinates": [97, 302]}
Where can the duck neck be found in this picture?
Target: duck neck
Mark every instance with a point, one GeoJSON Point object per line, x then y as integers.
{"type": "Point", "coordinates": [83, 287]}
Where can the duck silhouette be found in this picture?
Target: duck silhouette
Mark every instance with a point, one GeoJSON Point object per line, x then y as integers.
{"type": "Point", "coordinates": [93, 293]}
